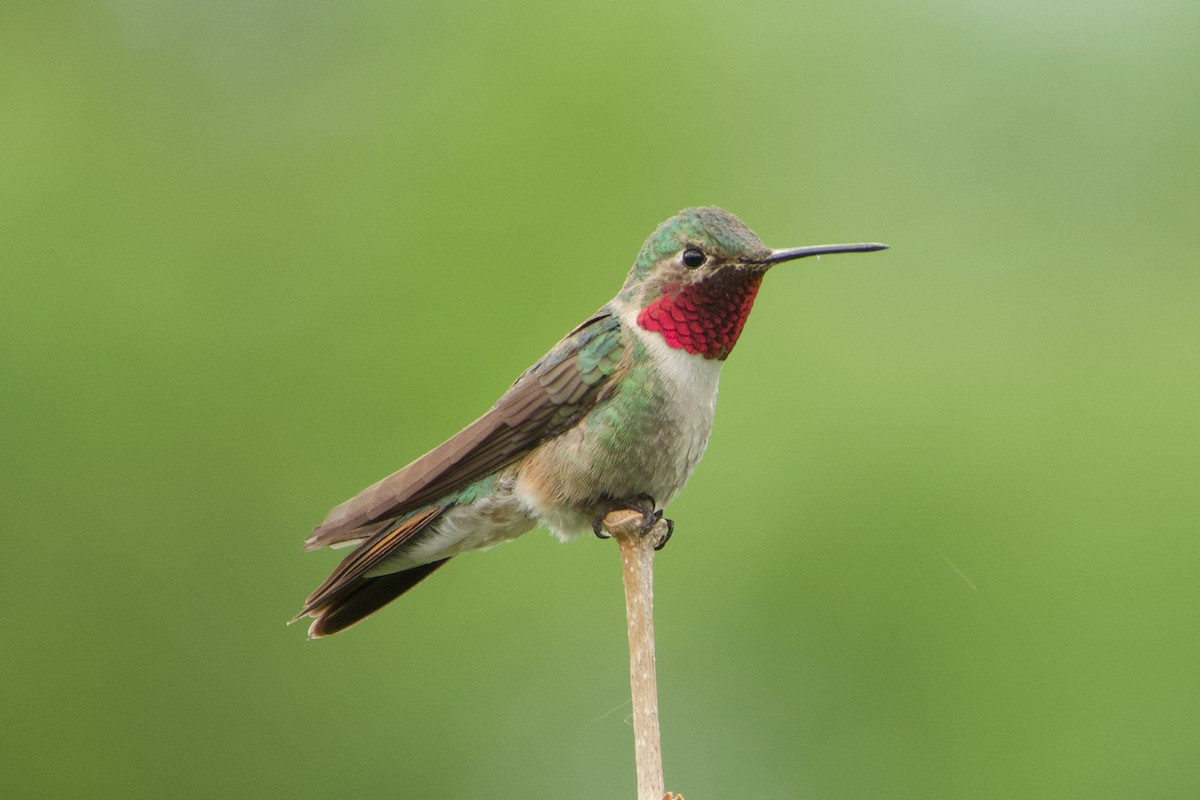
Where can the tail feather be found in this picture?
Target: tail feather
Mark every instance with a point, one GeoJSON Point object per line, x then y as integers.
{"type": "Point", "coordinates": [363, 598]}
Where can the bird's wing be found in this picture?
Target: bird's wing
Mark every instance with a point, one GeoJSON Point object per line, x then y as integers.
{"type": "Point", "coordinates": [548, 398]}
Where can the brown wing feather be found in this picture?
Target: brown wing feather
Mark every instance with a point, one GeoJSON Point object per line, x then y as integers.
{"type": "Point", "coordinates": [550, 397]}
{"type": "Point", "coordinates": [365, 598]}
{"type": "Point", "coordinates": [366, 556]}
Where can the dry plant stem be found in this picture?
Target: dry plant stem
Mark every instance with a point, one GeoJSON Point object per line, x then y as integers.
{"type": "Point", "coordinates": [637, 559]}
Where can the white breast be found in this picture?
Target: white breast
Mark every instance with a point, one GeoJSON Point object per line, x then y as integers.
{"type": "Point", "coordinates": [693, 379]}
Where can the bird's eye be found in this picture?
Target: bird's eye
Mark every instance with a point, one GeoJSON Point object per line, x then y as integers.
{"type": "Point", "coordinates": [693, 258]}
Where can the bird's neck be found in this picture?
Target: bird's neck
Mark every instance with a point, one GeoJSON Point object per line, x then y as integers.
{"type": "Point", "coordinates": [705, 317]}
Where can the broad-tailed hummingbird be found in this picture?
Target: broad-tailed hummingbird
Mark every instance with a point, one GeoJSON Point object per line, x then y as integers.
{"type": "Point", "coordinates": [616, 415]}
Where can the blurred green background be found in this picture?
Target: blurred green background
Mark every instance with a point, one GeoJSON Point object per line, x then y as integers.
{"type": "Point", "coordinates": [944, 543]}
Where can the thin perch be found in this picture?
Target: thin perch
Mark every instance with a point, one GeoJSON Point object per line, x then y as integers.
{"type": "Point", "coordinates": [637, 560]}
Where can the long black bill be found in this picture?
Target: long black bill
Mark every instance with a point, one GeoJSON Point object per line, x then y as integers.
{"type": "Point", "coordinates": [820, 250]}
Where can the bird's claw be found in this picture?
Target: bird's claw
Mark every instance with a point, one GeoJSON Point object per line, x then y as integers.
{"type": "Point", "coordinates": [598, 529]}
{"type": "Point", "coordinates": [650, 518]}
{"type": "Point", "coordinates": [667, 536]}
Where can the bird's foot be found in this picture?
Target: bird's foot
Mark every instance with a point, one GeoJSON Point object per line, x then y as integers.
{"type": "Point", "coordinates": [644, 505]}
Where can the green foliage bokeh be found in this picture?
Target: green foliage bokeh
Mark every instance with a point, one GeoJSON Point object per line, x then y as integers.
{"type": "Point", "coordinates": [943, 544]}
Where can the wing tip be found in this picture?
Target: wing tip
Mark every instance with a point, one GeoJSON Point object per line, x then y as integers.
{"type": "Point", "coordinates": [335, 611]}
{"type": "Point", "coordinates": [321, 626]}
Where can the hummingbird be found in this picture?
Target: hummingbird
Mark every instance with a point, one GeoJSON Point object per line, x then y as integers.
{"type": "Point", "coordinates": [616, 415]}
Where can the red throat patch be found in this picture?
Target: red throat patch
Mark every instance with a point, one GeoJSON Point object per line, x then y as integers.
{"type": "Point", "coordinates": [704, 317]}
